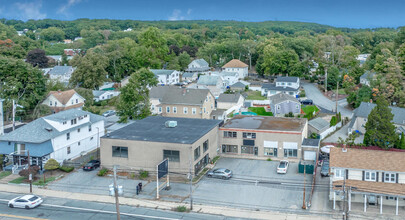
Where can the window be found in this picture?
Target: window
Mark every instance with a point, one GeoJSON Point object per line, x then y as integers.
{"type": "Point", "coordinates": [230, 149]}
{"type": "Point", "coordinates": [91, 138]}
{"type": "Point", "coordinates": [290, 152]}
{"type": "Point", "coordinates": [78, 143]}
{"type": "Point", "coordinates": [390, 177]}
{"type": "Point", "coordinates": [185, 110]}
{"type": "Point", "coordinates": [56, 103]}
{"type": "Point", "coordinates": [297, 106]}
{"type": "Point", "coordinates": [78, 130]}
{"type": "Point", "coordinates": [193, 111]}
{"type": "Point", "coordinates": [64, 122]}
{"type": "Point", "coordinates": [50, 103]}
{"type": "Point", "coordinates": [72, 101]}
{"type": "Point", "coordinates": [9, 143]}
{"type": "Point", "coordinates": [173, 155]}
{"type": "Point", "coordinates": [289, 84]}
{"type": "Point", "coordinates": [369, 176]}
{"type": "Point", "coordinates": [77, 100]}
{"type": "Point", "coordinates": [153, 107]}
{"type": "Point", "coordinates": [175, 110]}
{"type": "Point", "coordinates": [339, 173]}
{"type": "Point", "coordinates": [197, 153]}
{"type": "Point", "coordinates": [89, 128]}
{"type": "Point", "coordinates": [205, 146]}
{"type": "Point", "coordinates": [73, 121]}
{"type": "Point", "coordinates": [167, 109]}
{"type": "Point", "coordinates": [278, 107]}
{"type": "Point", "coordinates": [290, 93]}
{"type": "Point", "coordinates": [230, 134]}
{"type": "Point", "coordinates": [249, 135]}
{"type": "Point", "coordinates": [204, 110]}
{"type": "Point", "coordinates": [160, 109]}
{"type": "Point", "coordinates": [120, 151]}
{"type": "Point", "coordinates": [270, 151]}
{"type": "Point", "coordinates": [247, 149]}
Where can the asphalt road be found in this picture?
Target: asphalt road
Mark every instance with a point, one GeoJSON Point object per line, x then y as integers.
{"type": "Point", "coordinates": [56, 208]}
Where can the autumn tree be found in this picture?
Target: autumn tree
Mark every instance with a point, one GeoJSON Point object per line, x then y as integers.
{"type": "Point", "coordinates": [37, 58]}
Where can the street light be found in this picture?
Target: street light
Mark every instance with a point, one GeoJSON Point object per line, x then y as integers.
{"type": "Point", "coordinates": [98, 139]}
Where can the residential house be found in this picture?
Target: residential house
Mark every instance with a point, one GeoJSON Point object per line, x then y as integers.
{"type": "Point", "coordinates": [232, 102]}
{"type": "Point", "coordinates": [263, 137]}
{"type": "Point", "coordinates": [238, 66]}
{"type": "Point", "coordinates": [63, 100]}
{"type": "Point", "coordinates": [367, 77]}
{"type": "Point", "coordinates": [101, 95]}
{"type": "Point", "coordinates": [239, 86]}
{"type": "Point", "coordinates": [369, 177]}
{"type": "Point", "coordinates": [362, 58]}
{"type": "Point", "coordinates": [166, 77]}
{"type": "Point", "coordinates": [287, 85]}
{"type": "Point", "coordinates": [360, 116]}
{"type": "Point", "coordinates": [318, 126]}
{"type": "Point", "coordinates": [71, 52]}
{"type": "Point", "coordinates": [219, 114]}
{"type": "Point", "coordinates": [281, 104]}
{"type": "Point", "coordinates": [62, 136]}
{"type": "Point", "coordinates": [143, 144]}
{"type": "Point", "coordinates": [170, 101]}
{"type": "Point", "coordinates": [230, 77]}
{"type": "Point", "coordinates": [198, 66]}
{"type": "Point", "coordinates": [61, 73]}
{"type": "Point", "coordinates": [107, 86]}
{"type": "Point", "coordinates": [67, 41]}
{"type": "Point", "coordinates": [189, 76]}
{"type": "Point", "coordinates": [212, 82]}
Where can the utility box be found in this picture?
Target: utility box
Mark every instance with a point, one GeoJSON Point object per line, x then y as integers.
{"type": "Point", "coordinates": [309, 167]}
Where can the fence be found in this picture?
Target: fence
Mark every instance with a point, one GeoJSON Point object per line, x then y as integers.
{"type": "Point", "coordinates": [330, 130]}
{"type": "Point", "coordinates": [80, 161]}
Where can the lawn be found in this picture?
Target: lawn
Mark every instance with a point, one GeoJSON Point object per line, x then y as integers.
{"type": "Point", "coordinates": [260, 111]}
{"type": "Point", "coordinates": [308, 109]}
{"type": "Point", "coordinates": [255, 95]}
{"type": "Point", "coordinates": [341, 92]}
{"type": "Point", "coordinates": [41, 182]}
{"type": "Point", "coordinates": [18, 180]}
{"type": "Point", "coordinates": [4, 174]}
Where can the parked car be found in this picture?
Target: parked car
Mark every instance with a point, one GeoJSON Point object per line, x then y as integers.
{"type": "Point", "coordinates": [307, 102]}
{"type": "Point", "coordinates": [220, 173]}
{"type": "Point", "coordinates": [282, 166]}
{"type": "Point", "coordinates": [325, 169]}
{"type": "Point", "coordinates": [91, 165]}
{"type": "Point", "coordinates": [109, 113]}
{"type": "Point", "coordinates": [27, 202]}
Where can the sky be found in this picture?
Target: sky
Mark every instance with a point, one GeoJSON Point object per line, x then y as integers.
{"type": "Point", "coordinates": [338, 13]}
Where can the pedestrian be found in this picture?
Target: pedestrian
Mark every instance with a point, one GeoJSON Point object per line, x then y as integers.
{"type": "Point", "coordinates": [140, 186]}
{"type": "Point", "coordinates": [137, 189]}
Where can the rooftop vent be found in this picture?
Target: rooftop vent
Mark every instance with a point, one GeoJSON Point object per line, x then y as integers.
{"type": "Point", "coordinates": [171, 124]}
{"type": "Point", "coordinates": [48, 129]}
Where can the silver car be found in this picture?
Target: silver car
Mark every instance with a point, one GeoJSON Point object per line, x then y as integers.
{"type": "Point", "coordinates": [220, 173]}
{"type": "Point", "coordinates": [109, 113]}
{"type": "Point", "coordinates": [27, 201]}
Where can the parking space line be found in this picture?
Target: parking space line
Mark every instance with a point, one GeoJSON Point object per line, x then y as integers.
{"type": "Point", "coordinates": [21, 217]}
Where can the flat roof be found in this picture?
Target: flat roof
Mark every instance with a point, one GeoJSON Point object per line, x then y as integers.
{"type": "Point", "coordinates": [266, 123]}
{"type": "Point", "coordinates": [152, 128]}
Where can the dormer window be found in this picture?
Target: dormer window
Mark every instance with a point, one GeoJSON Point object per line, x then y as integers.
{"type": "Point", "coordinates": [73, 121]}
{"type": "Point", "coordinates": [64, 122]}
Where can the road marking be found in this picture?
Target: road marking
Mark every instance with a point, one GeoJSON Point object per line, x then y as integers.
{"type": "Point", "coordinates": [21, 217]}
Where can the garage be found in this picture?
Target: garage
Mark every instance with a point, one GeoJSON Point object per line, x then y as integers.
{"type": "Point", "coordinates": [309, 155]}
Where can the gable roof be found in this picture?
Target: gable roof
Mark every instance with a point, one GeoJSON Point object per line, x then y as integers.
{"type": "Point", "coordinates": [272, 86]}
{"type": "Point", "coordinates": [229, 97]}
{"type": "Point", "coordinates": [367, 159]}
{"type": "Point", "coordinates": [63, 96]}
{"type": "Point", "coordinates": [368, 75]}
{"type": "Point", "coordinates": [175, 95]}
{"type": "Point", "coordinates": [365, 108]}
{"type": "Point", "coordinates": [238, 85]}
{"type": "Point", "coordinates": [319, 124]}
{"type": "Point", "coordinates": [209, 80]}
{"type": "Point", "coordinates": [282, 97]}
{"type": "Point", "coordinates": [161, 72]}
{"type": "Point", "coordinates": [226, 73]}
{"type": "Point", "coordinates": [287, 79]}
{"type": "Point", "coordinates": [60, 70]}
{"type": "Point", "coordinates": [235, 63]}
{"type": "Point", "coordinates": [201, 62]}
{"type": "Point", "coordinates": [98, 93]}
{"type": "Point", "coordinates": [188, 74]}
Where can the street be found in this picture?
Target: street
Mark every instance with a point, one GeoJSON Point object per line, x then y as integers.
{"type": "Point", "coordinates": [56, 208]}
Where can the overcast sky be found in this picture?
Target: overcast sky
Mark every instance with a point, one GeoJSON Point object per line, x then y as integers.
{"type": "Point", "coordinates": [338, 13]}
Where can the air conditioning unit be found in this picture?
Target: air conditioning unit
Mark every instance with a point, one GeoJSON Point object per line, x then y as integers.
{"type": "Point", "coordinates": [171, 124]}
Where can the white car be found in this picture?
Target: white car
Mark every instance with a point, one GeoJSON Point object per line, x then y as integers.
{"type": "Point", "coordinates": [282, 166]}
{"type": "Point", "coordinates": [27, 201]}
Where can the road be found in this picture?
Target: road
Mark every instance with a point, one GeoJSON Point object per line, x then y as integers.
{"type": "Point", "coordinates": [56, 208]}
{"type": "Point", "coordinates": [312, 92]}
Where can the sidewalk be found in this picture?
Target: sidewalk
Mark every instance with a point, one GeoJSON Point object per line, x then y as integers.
{"type": "Point", "coordinates": [164, 205]}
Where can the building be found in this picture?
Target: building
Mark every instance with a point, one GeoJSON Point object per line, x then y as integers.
{"type": "Point", "coordinates": [239, 86]}
{"type": "Point", "coordinates": [370, 177]}
{"type": "Point", "coordinates": [166, 77]}
{"type": "Point", "coordinates": [71, 52]}
{"type": "Point", "coordinates": [214, 83]}
{"type": "Point", "coordinates": [287, 85]}
{"type": "Point", "coordinates": [170, 101]}
{"type": "Point", "coordinates": [232, 102]}
{"type": "Point", "coordinates": [238, 66]}
{"type": "Point", "coordinates": [360, 116]}
{"type": "Point", "coordinates": [189, 76]}
{"type": "Point", "coordinates": [61, 73]}
{"type": "Point", "coordinates": [145, 143]}
{"type": "Point", "coordinates": [281, 104]}
{"type": "Point", "coordinates": [62, 136]}
{"type": "Point", "coordinates": [362, 58]}
{"type": "Point", "coordinates": [261, 137]}
{"type": "Point", "coordinates": [318, 126]}
{"type": "Point", "coordinates": [63, 100]}
{"type": "Point", "coordinates": [101, 95]}
{"type": "Point", "coordinates": [367, 78]}
{"type": "Point", "coordinates": [230, 77]}
{"type": "Point", "coordinates": [310, 148]}
{"type": "Point", "coordinates": [198, 66]}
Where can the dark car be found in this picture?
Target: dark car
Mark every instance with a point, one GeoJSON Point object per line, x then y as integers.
{"type": "Point", "coordinates": [307, 102]}
{"type": "Point", "coordinates": [325, 169]}
{"type": "Point", "coordinates": [220, 173]}
{"type": "Point", "coordinates": [91, 165]}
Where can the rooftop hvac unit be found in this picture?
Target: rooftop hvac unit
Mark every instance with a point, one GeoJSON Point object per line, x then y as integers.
{"type": "Point", "coordinates": [171, 124]}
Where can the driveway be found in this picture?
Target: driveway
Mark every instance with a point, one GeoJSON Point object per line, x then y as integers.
{"type": "Point", "coordinates": [312, 92]}
{"type": "Point", "coordinates": [342, 132]}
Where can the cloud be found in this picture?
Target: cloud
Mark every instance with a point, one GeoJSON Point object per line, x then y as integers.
{"type": "Point", "coordinates": [68, 4]}
{"type": "Point", "coordinates": [30, 10]}
{"type": "Point", "coordinates": [189, 11]}
{"type": "Point", "coordinates": [176, 15]}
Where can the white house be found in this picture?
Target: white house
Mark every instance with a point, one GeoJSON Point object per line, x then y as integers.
{"type": "Point", "coordinates": [214, 83]}
{"type": "Point", "coordinates": [238, 66]}
{"type": "Point", "coordinates": [166, 77]}
{"type": "Point", "coordinates": [62, 136]}
{"type": "Point", "coordinates": [367, 78]}
{"type": "Point", "coordinates": [61, 73]}
{"type": "Point", "coordinates": [230, 77]}
{"type": "Point", "coordinates": [198, 66]}
{"type": "Point", "coordinates": [287, 85]}
{"type": "Point", "coordinates": [100, 95]}
{"type": "Point", "coordinates": [63, 100]}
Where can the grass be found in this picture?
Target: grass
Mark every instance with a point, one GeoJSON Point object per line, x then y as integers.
{"type": "Point", "coordinates": [102, 172]}
{"type": "Point", "coordinates": [41, 182]}
{"type": "Point", "coordinates": [260, 111]}
{"type": "Point", "coordinates": [255, 95]}
{"type": "Point", "coordinates": [4, 174]}
{"type": "Point", "coordinates": [203, 172]}
{"type": "Point", "coordinates": [309, 108]}
{"type": "Point", "coordinates": [269, 159]}
{"type": "Point", "coordinates": [143, 174]}
{"type": "Point", "coordinates": [18, 180]}
{"type": "Point", "coordinates": [215, 159]}
{"type": "Point", "coordinates": [230, 115]}
{"type": "Point", "coordinates": [181, 208]}
{"type": "Point", "coordinates": [341, 92]}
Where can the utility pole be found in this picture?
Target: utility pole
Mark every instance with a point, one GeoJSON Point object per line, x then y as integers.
{"type": "Point", "coordinates": [326, 80]}
{"type": "Point", "coordinates": [29, 169]}
{"type": "Point", "coordinates": [344, 195]}
{"type": "Point", "coordinates": [303, 201]}
{"type": "Point", "coordinates": [98, 139]}
{"type": "Point", "coordinates": [13, 114]}
{"type": "Point", "coordinates": [117, 204]}
{"type": "Point", "coordinates": [337, 94]}
{"type": "Point", "coordinates": [191, 180]}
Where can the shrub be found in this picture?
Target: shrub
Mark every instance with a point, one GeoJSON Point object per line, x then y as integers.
{"type": "Point", "coordinates": [51, 164]}
{"type": "Point", "coordinates": [333, 121]}
{"type": "Point", "coordinates": [143, 174]}
{"type": "Point", "coordinates": [215, 159]}
{"type": "Point", "coordinates": [102, 172]}
{"type": "Point", "coordinates": [32, 170]}
{"type": "Point", "coordinates": [181, 208]}
{"type": "Point", "coordinates": [66, 169]}
{"type": "Point", "coordinates": [269, 159]}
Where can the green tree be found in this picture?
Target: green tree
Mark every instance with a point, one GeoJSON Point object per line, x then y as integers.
{"type": "Point", "coordinates": [52, 34]}
{"type": "Point", "coordinates": [65, 60]}
{"type": "Point", "coordinates": [184, 60]}
{"type": "Point", "coordinates": [380, 131]}
{"type": "Point", "coordinates": [51, 165]}
{"type": "Point", "coordinates": [401, 143]}
{"type": "Point", "coordinates": [134, 99]}
{"type": "Point", "coordinates": [154, 39]}
{"type": "Point", "coordinates": [333, 121]}
{"type": "Point", "coordinates": [86, 94]}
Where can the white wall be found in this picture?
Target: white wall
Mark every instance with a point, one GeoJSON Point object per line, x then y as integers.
{"type": "Point", "coordinates": [243, 72]}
